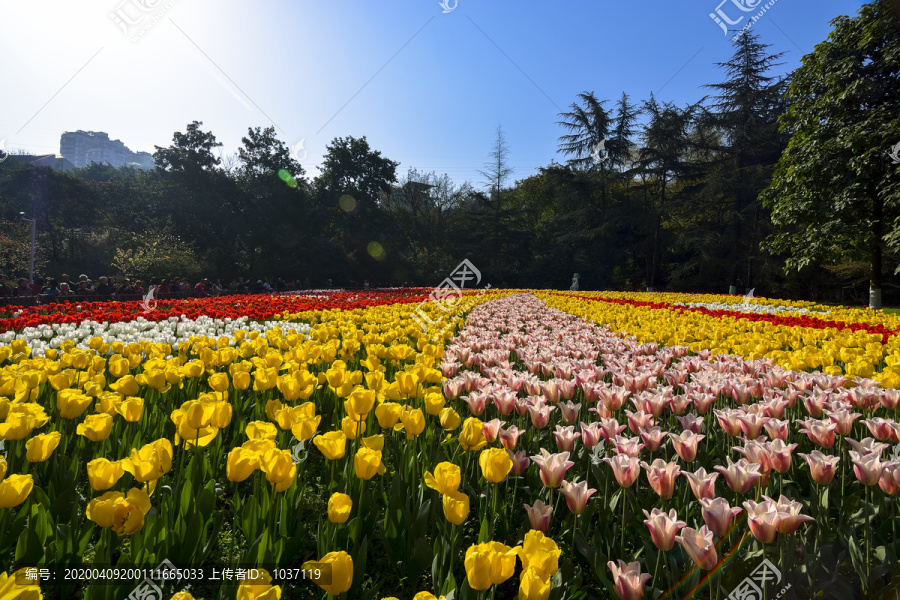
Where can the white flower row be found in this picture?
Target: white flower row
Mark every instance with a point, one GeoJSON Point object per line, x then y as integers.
{"type": "Point", "coordinates": [170, 331]}
{"type": "Point", "coordinates": [750, 308]}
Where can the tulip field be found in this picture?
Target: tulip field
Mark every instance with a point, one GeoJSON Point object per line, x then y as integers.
{"type": "Point", "coordinates": [526, 444]}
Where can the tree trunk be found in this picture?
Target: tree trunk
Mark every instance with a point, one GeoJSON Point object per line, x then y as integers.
{"type": "Point", "coordinates": [877, 233]}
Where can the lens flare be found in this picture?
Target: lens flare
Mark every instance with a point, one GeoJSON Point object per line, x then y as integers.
{"type": "Point", "coordinates": [376, 251]}
{"type": "Point", "coordinates": [348, 203]}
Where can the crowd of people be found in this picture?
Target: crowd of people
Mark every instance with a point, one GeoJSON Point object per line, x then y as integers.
{"type": "Point", "coordinates": [51, 290]}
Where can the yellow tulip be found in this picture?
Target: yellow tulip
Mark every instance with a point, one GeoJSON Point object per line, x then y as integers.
{"type": "Point", "coordinates": [258, 446]}
{"type": "Point", "coordinates": [434, 403]}
{"type": "Point", "coordinates": [154, 378]}
{"type": "Point", "coordinates": [14, 490]}
{"type": "Point", "coordinates": [449, 418]}
{"type": "Point", "coordinates": [361, 401]}
{"type": "Point", "coordinates": [495, 464]}
{"type": "Point", "coordinates": [305, 427]}
{"type": "Point", "coordinates": [260, 588]}
{"type": "Point", "coordinates": [241, 380]}
{"type": "Point", "coordinates": [103, 474]}
{"type": "Point", "coordinates": [367, 463]}
{"type": "Point", "coordinates": [339, 507]}
{"type": "Point", "coordinates": [426, 596]}
{"type": "Point", "coordinates": [279, 468]}
{"type": "Point", "coordinates": [130, 408]}
{"type": "Point", "coordinates": [261, 430]}
{"type": "Point", "coordinates": [341, 571]}
{"type": "Point", "coordinates": [182, 596]}
{"type": "Point", "coordinates": [539, 553]}
{"type": "Point", "coordinates": [126, 386]}
{"type": "Point", "coordinates": [59, 381]}
{"type": "Point", "coordinates": [17, 587]}
{"type": "Point", "coordinates": [118, 366]}
{"type": "Point", "coordinates": [40, 447]}
{"type": "Point", "coordinates": [71, 404]}
{"type": "Point", "coordinates": [446, 478]}
{"type": "Point", "coordinates": [151, 462]}
{"type": "Point", "coordinates": [532, 586]}
{"type": "Point", "coordinates": [20, 423]}
{"type": "Point", "coordinates": [388, 414]}
{"type": "Point", "coordinates": [456, 507]}
{"type": "Point", "coordinates": [218, 382]}
{"type": "Point", "coordinates": [222, 414]}
{"type": "Point", "coordinates": [122, 513]}
{"type": "Point", "coordinates": [3, 467]}
{"type": "Point", "coordinates": [95, 427]}
{"type": "Point", "coordinates": [413, 422]}
{"type": "Point", "coordinates": [472, 435]}
{"type": "Point", "coordinates": [332, 444]}
{"type": "Point", "coordinates": [241, 464]}
{"type": "Point", "coordinates": [351, 427]}
{"type": "Point", "coordinates": [374, 442]}
{"type": "Point", "coordinates": [489, 564]}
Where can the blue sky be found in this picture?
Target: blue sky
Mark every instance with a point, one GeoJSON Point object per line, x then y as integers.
{"type": "Point", "coordinates": [427, 88]}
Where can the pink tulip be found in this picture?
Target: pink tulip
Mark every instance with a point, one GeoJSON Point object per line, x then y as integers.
{"type": "Point", "coordinates": [614, 398]}
{"type": "Point", "coordinates": [610, 429]}
{"type": "Point", "coordinates": [569, 412]}
{"type": "Point", "coordinates": [453, 387]}
{"type": "Point", "coordinates": [679, 404]}
{"type": "Point", "coordinates": [822, 467]}
{"type": "Point", "coordinates": [756, 452]}
{"type": "Point", "coordinates": [728, 420]}
{"type": "Point", "coordinates": [702, 484]}
{"type": "Point", "coordinates": [662, 476]}
{"type": "Point", "coordinates": [703, 402]}
{"type": "Point", "coordinates": [740, 476]}
{"type": "Point", "coordinates": [788, 518]}
{"type": "Point", "coordinates": [510, 437]}
{"type": "Point", "coordinates": [699, 546]}
{"type": "Point", "coordinates": [691, 422]}
{"type": "Point", "coordinates": [867, 446]}
{"type": "Point", "coordinates": [775, 408]}
{"type": "Point", "coordinates": [476, 402]}
{"type": "Point", "coordinates": [880, 428]}
{"type": "Point", "coordinates": [629, 581]}
{"type": "Point", "coordinates": [519, 460]}
{"type": "Point", "coordinates": [565, 385]}
{"type": "Point", "coordinates": [540, 415]}
{"type": "Point", "coordinates": [843, 419]}
{"type": "Point", "coordinates": [590, 435]}
{"type": "Point", "coordinates": [652, 438]}
{"type": "Point", "coordinates": [868, 467]}
{"type": "Point", "coordinates": [629, 446]}
{"type": "Point", "coordinates": [740, 393]}
{"type": "Point", "coordinates": [553, 467]}
{"type": "Point", "coordinates": [685, 444]}
{"type": "Point", "coordinates": [752, 424]}
{"type": "Point", "coordinates": [625, 468]}
{"type": "Point", "coordinates": [780, 453]}
{"type": "Point", "coordinates": [577, 495]}
{"type": "Point", "coordinates": [890, 399]}
{"type": "Point", "coordinates": [815, 405]}
{"type": "Point", "coordinates": [663, 527]}
{"type": "Point", "coordinates": [566, 437]}
{"type": "Point", "coordinates": [819, 432]}
{"type": "Point", "coordinates": [639, 420]}
{"type": "Point", "coordinates": [763, 519]}
{"type": "Point", "coordinates": [505, 401]}
{"type": "Point", "coordinates": [717, 514]}
{"type": "Point", "coordinates": [889, 482]}
{"type": "Point", "coordinates": [551, 391]}
{"type": "Point", "coordinates": [777, 429]}
{"type": "Point", "coordinates": [491, 430]}
{"type": "Point", "coordinates": [539, 515]}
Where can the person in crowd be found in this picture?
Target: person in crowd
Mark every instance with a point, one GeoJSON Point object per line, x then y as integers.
{"type": "Point", "coordinates": [218, 287]}
{"type": "Point", "coordinates": [366, 284]}
{"type": "Point", "coordinates": [200, 288]}
{"type": "Point", "coordinates": [6, 289]}
{"type": "Point", "coordinates": [139, 288]}
{"type": "Point", "coordinates": [84, 290]}
{"type": "Point", "coordinates": [125, 291]}
{"type": "Point", "coordinates": [50, 292]}
{"type": "Point", "coordinates": [36, 286]}
{"type": "Point", "coordinates": [103, 289]}
{"type": "Point", "coordinates": [163, 290]}
{"type": "Point", "coordinates": [65, 292]}
{"type": "Point", "coordinates": [290, 285]}
{"type": "Point", "coordinates": [24, 289]}
{"type": "Point", "coordinates": [65, 279]}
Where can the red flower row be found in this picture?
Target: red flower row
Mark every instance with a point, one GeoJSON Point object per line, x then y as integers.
{"type": "Point", "coordinates": [812, 322]}
{"type": "Point", "coordinates": [258, 307]}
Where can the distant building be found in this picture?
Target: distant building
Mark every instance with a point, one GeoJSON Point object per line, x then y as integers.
{"type": "Point", "coordinates": [85, 147]}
